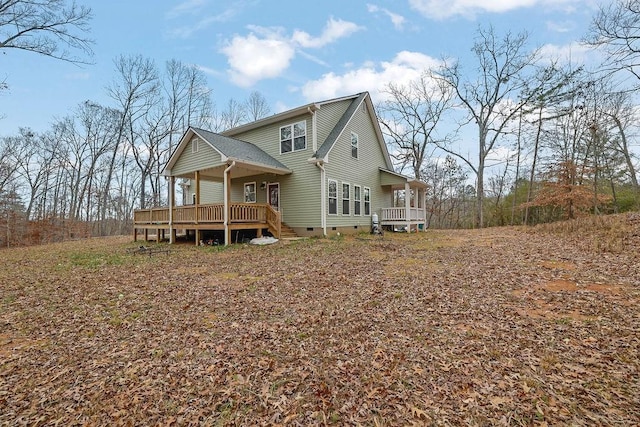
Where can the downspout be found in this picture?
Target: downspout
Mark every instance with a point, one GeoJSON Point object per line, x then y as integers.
{"type": "Point", "coordinates": [172, 188]}
{"type": "Point", "coordinates": [314, 134]}
{"type": "Point", "coordinates": [226, 202]}
{"type": "Point", "coordinates": [323, 197]}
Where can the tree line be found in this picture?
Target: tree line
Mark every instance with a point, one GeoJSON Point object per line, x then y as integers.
{"type": "Point", "coordinates": [557, 139]}
{"type": "Point", "coordinates": [511, 138]}
{"type": "Point", "coordinates": [86, 174]}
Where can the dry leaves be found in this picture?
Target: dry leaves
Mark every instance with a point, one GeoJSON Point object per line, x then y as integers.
{"type": "Point", "coordinates": [488, 327]}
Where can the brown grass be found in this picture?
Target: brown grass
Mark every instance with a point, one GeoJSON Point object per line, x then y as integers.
{"type": "Point", "coordinates": [506, 326]}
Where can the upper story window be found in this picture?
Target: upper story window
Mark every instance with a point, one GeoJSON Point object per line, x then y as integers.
{"type": "Point", "coordinates": [354, 145]}
{"type": "Point", "coordinates": [293, 137]}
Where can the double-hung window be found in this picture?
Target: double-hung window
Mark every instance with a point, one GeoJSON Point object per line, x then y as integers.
{"type": "Point", "coordinates": [346, 198]}
{"type": "Point", "coordinates": [250, 192]}
{"type": "Point", "coordinates": [293, 137]}
{"type": "Point", "coordinates": [333, 197]}
{"type": "Point", "coordinates": [357, 199]}
{"type": "Point", "coordinates": [367, 201]}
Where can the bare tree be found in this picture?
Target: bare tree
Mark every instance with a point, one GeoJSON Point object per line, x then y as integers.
{"type": "Point", "coordinates": [135, 91]}
{"type": "Point", "coordinates": [500, 89]}
{"type": "Point", "coordinates": [616, 30]}
{"type": "Point", "coordinates": [410, 119]}
{"type": "Point", "coordinates": [188, 99]}
{"type": "Point", "coordinates": [233, 115]}
{"type": "Point", "coordinates": [47, 27]}
{"type": "Point", "coordinates": [622, 113]}
{"type": "Point", "coordinates": [256, 106]}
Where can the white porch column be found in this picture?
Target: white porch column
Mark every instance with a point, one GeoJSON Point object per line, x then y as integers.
{"type": "Point", "coordinates": [172, 187]}
{"type": "Point", "coordinates": [407, 205]}
{"type": "Point", "coordinates": [424, 207]}
{"type": "Point", "coordinates": [227, 201]}
{"type": "Point", "coordinates": [197, 203]}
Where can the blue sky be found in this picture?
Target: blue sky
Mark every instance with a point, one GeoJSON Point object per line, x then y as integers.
{"type": "Point", "coordinates": [293, 52]}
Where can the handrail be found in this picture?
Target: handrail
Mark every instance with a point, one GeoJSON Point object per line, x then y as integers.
{"type": "Point", "coordinates": [273, 221]}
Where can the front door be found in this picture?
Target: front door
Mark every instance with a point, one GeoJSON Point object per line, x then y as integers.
{"type": "Point", "coordinates": [273, 195]}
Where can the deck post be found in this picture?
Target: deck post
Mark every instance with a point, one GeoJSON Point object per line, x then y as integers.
{"type": "Point", "coordinates": [407, 205]}
{"type": "Point", "coordinates": [196, 206]}
{"type": "Point", "coordinates": [172, 231]}
{"type": "Point", "coordinates": [424, 209]}
{"type": "Point", "coordinates": [227, 202]}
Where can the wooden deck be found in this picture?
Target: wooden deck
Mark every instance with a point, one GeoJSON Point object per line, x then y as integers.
{"type": "Point", "coordinates": [207, 217]}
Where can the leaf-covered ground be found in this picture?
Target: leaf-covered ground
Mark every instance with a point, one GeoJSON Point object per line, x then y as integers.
{"type": "Point", "coordinates": [504, 326]}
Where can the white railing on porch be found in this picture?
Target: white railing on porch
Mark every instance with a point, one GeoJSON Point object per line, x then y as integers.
{"type": "Point", "coordinates": [400, 214]}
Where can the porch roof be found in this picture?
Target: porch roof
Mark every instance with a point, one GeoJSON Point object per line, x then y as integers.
{"type": "Point", "coordinates": [398, 181]}
{"type": "Point", "coordinates": [249, 159]}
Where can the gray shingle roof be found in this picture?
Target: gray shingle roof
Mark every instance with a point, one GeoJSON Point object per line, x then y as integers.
{"type": "Point", "coordinates": [238, 149]}
{"type": "Point", "coordinates": [339, 127]}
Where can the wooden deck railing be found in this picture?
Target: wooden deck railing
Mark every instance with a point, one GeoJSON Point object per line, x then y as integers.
{"type": "Point", "coordinates": [273, 221]}
{"type": "Point", "coordinates": [212, 213]}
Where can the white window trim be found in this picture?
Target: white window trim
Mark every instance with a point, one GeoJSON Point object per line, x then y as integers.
{"type": "Point", "coordinates": [364, 201]}
{"type": "Point", "coordinates": [348, 199]}
{"type": "Point", "coordinates": [357, 146]}
{"type": "Point", "coordinates": [255, 192]}
{"type": "Point", "coordinates": [195, 146]}
{"type": "Point", "coordinates": [293, 137]}
{"type": "Point", "coordinates": [329, 181]}
{"type": "Point", "coordinates": [357, 200]}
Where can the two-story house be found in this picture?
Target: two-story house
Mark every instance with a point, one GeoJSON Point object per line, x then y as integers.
{"type": "Point", "coordinates": [321, 168]}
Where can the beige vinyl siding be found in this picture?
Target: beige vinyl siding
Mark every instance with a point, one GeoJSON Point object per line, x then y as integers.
{"type": "Point", "coordinates": [328, 116]}
{"type": "Point", "coordinates": [210, 192]}
{"type": "Point", "coordinates": [362, 171]}
{"type": "Point", "coordinates": [299, 191]}
{"type": "Point", "coordinates": [191, 162]}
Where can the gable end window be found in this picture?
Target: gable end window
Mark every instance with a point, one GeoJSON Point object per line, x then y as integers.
{"type": "Point", "coordinates": [346, 198]}
{"type": "Point", "coordinates": [293, 137]}
{"type": "Point", "coordinates": [194, 145]}
{"type": "Point", "coordinates": [354, 145]}
{"type": "Point", "coordinates": [250, 192]}
{"type": "Point", "coordinates": [332, 190]}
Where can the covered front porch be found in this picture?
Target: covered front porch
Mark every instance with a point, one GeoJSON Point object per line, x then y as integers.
{"type": "Point", "coordinates": [204, 156]}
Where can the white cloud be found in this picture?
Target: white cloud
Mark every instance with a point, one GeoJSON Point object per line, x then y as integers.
{"type": "Point", "coordinates": [333, 30]}
{"type": "Point", "coordinates": [574, 53]}
{"type": "Point", "coordinates": [397, 20]}
{"type": "Point", "coordinates": [372, 77]}
{"type": "Point", "coordinates": [561, 26]}
{"type": "Point", "coordinates": [198, 9]}
{"type": "Point", "coordinates": [252, 59]}
{"type": "Point", "coordinates": [442, 9]}
{"type": "Point", "coordinates": [187, 7]}
{"type": "Point", "coordinates": [267, 51]}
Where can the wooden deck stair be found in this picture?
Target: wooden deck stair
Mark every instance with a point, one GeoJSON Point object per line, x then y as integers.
{"type": "Point", "coordinates": [287, 232]}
